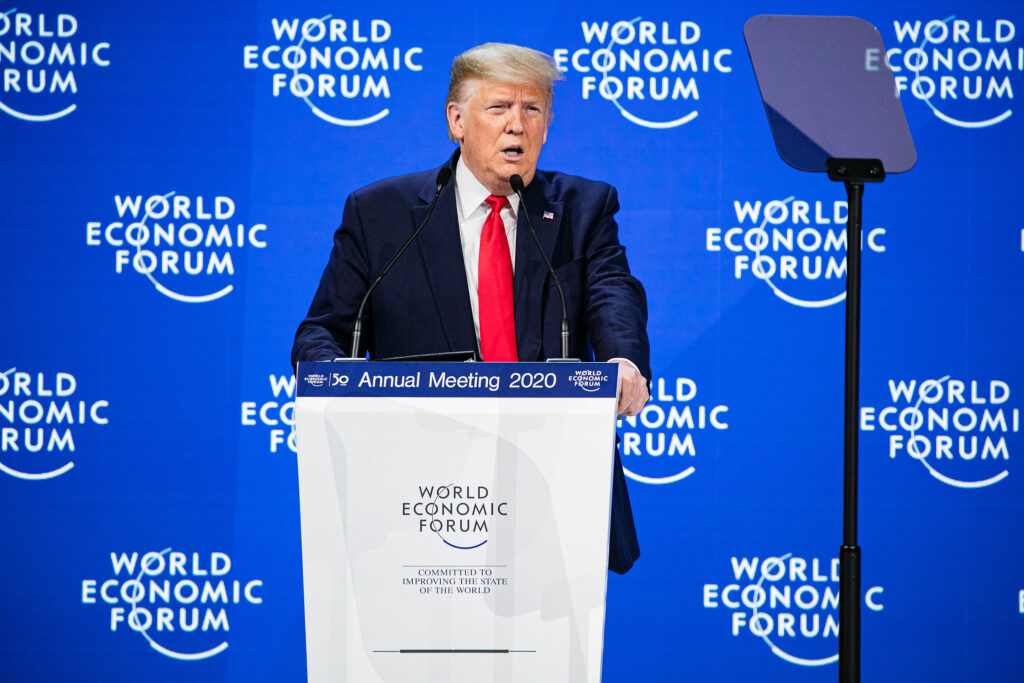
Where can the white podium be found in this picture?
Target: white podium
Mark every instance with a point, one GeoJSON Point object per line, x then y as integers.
{"type": "Point", "coordinates": [455, 519]}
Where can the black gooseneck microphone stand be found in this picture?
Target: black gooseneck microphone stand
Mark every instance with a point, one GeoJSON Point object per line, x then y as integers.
{"type": "Point", "coordinates": [517, 186]}
{"type": "Point", "coordinates": [444, 174]}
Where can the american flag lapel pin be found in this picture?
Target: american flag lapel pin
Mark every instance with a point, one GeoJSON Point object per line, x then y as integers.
{"type": "Point", "coordinates": [548, 216]}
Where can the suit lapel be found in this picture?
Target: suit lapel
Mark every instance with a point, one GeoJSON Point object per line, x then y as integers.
{"type": "Point", "coordinates": [440, 249]}
{"type": "Point", "coordinates": [531, 273]}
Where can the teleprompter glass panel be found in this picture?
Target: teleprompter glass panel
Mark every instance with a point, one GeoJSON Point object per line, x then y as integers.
{"type": "Point", "coordinates": [828, 91]}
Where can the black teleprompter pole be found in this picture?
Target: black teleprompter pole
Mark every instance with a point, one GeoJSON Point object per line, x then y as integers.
{"type": "Point", "coordinates": [853, 173]}
{"type": "Point", "coordinates": [849, 553]}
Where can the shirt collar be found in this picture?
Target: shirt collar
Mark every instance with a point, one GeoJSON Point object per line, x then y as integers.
{"type": "Point", "coordinates": [472, 193]}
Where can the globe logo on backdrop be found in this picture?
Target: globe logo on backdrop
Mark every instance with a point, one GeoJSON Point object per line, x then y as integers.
{"type": "Point", "coordinates": [173, 599]}
{"type": "Point", "coordinates": [43, 58]}
{"type": "Point", "coordinates": [789, 603]}
{"type": "Point", "coordinates": [963, 70]}
{"type": "Point", "coordinates": [659, 446]}
{"type": "Point", "coordinates": [185, 246]}
{"type": "Point", "coordinates": [797, 248]}
{"type": "Point", "coordinates": [278, 412]}
{"type": "Point", "coordinates": [339, 68]}
{"type": "Point", "coordinates": [40, 413]}
{"type": "Point", "coordinates": [650, 71]}
{"type": "Point", "coordinates": [960, 431]}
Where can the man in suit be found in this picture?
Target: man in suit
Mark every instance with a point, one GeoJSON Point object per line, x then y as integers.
{"type": "Point", "coordinates": [474, 279]}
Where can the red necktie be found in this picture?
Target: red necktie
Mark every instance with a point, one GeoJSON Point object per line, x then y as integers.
{"type": "Point", "coordinates": [494, 289]}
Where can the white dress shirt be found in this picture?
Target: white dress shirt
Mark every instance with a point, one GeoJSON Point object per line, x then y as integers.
{"type": "Point", "coordinates": [473, 211]}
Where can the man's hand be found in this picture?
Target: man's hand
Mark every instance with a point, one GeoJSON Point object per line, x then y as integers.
{"type": "Point", "coordinates": [633, 394]}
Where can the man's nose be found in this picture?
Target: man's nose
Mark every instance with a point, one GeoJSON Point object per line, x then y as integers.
{"type": "Point", "coordinates": [514, 121]}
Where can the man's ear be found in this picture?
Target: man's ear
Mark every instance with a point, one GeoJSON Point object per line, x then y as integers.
{"type": "Point", "coordinates": [454, 113]}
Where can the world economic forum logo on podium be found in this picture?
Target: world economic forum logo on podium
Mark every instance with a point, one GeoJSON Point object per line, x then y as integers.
{"type": "Point", "coordinates": [962, 69]}
{"type": "Point", "coordinates": [461, 516]}
{"type": "Point", "coordinates": [44, 58]}
{"type": "Point", "coordinates": [588, 380]}
{"type": "Point", "coordinates": [315, 379]}
{"type": "Point", "coordinates": [336, 66]}
{"type": "Point", "coordinates": [651, 71]}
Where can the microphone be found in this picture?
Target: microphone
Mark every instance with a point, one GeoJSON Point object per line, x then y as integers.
{"type": "Point", "coordinates": [444, 174]}
{"type": "Point", "coordinates": [517, 186]}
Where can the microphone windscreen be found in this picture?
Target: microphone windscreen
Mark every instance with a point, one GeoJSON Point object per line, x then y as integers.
{"type": "Point", "coordinates": [443, 176]}
{"type": "Point", "coordinates": [517, 183]}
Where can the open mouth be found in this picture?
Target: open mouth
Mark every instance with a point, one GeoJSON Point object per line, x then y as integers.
{"type": "Point", "coordinates": [513, 153]}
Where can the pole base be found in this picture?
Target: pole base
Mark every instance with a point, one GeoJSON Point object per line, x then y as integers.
{"type": "Point", "coordinates": [849, 614]}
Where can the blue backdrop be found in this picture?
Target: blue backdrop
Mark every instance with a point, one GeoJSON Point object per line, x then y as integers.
{"type": "Point", "coordinates": [172, 177]}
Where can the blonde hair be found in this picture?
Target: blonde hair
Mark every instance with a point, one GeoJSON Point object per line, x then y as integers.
{"type": "Point", "coordinates": [503, 63]}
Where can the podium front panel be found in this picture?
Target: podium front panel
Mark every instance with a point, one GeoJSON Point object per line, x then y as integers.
{"type": "Point", "coordinates": [455, 519]}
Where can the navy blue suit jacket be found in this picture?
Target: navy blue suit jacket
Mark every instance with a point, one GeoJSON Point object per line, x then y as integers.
{"type": "Point", "coordinates": [423, 307]}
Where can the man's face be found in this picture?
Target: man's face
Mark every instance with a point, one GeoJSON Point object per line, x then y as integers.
{"type": "Point", "coordinates": [501, 128]}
